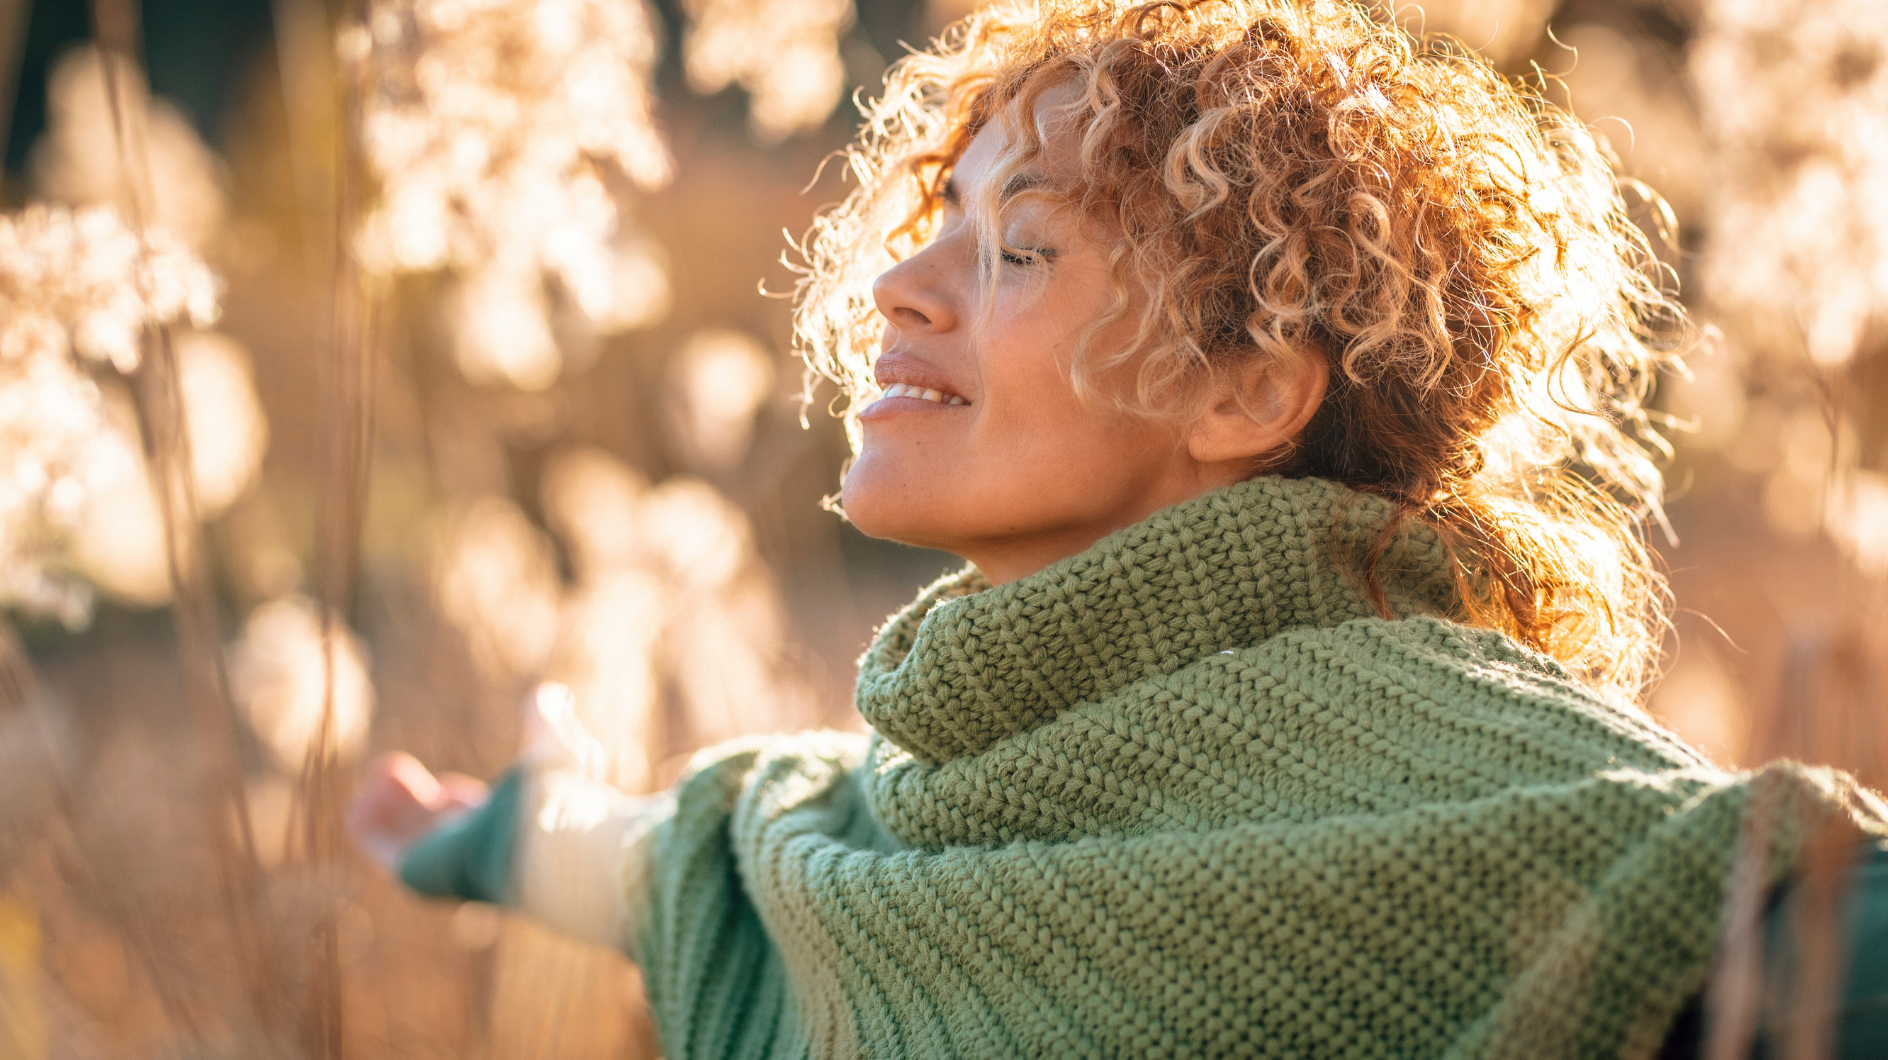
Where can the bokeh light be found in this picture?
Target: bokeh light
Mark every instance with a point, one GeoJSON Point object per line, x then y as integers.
{"type": "Point", "coordinates": [282, 670]}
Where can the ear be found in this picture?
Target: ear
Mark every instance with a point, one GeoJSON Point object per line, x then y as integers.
{"type": "Point", "coordinates": [1258, 407]}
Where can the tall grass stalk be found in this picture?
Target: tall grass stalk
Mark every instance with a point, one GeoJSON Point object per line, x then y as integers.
{"type": "Point", "coordinates": [22, 707]}
{"type": "Point", "coordinates": [158, 399]}
{"type": "Point", "coordinates": [347, 407]}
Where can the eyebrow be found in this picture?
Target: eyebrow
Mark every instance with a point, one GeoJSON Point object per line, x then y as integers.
{"type": "Point", "coordinates": [1016, 185]}
{"type": "Point", "coordinates": [1020, 183]}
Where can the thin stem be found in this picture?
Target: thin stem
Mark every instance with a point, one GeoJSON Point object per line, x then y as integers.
{"type": "Point", "coordinates": [158, 397]}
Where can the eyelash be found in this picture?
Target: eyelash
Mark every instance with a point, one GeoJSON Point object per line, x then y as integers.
{"type": "Point", "coordinates": [1026, 258]}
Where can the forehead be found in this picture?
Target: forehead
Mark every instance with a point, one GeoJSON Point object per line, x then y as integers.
{"type": "Point", "coordinates": [1054, 119]}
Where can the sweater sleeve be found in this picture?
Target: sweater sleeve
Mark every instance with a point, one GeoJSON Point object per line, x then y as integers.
{"type": "Point", "coordinates": [583, 858]}
{"type": "Point", "coordinates": [717, 979]}
{"type": "Point", "coordinates": [551, 841]}
{"type": "Point", "coordinates": [470, 855]}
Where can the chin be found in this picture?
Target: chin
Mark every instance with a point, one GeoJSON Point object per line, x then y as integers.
{"type": "Point", "coordinates": [884, 504]}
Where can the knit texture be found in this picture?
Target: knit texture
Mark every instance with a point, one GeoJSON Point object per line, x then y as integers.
{"type": "Point", "coordinates": [1184, 794]}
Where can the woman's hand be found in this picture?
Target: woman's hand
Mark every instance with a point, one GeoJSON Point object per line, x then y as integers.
{"type": "Point", "coordinates": [400, 800]}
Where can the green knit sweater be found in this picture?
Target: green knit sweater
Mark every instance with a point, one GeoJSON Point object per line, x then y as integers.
{"type": "Point", "coordinates": [1184, 794]}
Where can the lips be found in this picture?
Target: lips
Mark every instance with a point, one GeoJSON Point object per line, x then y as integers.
{"type": "Point", "coordinates": [904, 376]}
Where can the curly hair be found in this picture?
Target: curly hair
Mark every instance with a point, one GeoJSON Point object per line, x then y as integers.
{"type": "Point", "coordinates": [1292, 178]}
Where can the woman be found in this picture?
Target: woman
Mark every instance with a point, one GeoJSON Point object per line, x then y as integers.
{"type": "Point", "coordinates": [1245, 351]}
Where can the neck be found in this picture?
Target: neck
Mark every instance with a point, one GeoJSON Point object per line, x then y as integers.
{"type": "Point", "coordinates": [1006, 558]}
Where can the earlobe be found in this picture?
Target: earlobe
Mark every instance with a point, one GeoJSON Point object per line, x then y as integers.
{"type": "Point", "coordinates": [1259, 408]}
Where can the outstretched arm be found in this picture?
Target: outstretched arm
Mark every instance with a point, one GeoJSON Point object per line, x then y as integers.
{"type": "Point", "coordinates": [546, 838]}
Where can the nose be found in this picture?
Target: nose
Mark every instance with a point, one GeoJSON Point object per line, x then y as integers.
{"type": "Point", "coordinates": [915, 296]}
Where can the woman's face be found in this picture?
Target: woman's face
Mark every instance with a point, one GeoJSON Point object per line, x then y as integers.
{"type": "Point", "coordinates": [980, 446]}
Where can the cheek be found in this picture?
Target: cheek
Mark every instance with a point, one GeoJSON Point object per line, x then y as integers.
{"type": "Point", "coordinates": [1024, 359]}
{"type": "Point", "coordinates": [1047, 449]}
{"type": "Point", "coordinates": [1028, 385]}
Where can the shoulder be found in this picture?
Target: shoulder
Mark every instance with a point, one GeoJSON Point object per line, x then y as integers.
{"type": "Point", "coordinates": [1452, 688]}
{"type": "Point", "coordinates": [780, 771]}
{"type": "Point", "coordinates": [1417, 656]}
{"type": "Point", "coordinates": [1424, 650]}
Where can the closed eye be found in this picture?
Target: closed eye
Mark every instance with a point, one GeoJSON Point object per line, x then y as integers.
{"type": "Point", "coordinates": [1024, 258]}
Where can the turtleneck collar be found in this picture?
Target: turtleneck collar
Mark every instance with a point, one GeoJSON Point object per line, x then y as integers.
{"type": "Point", "coordinates": [967, 664]}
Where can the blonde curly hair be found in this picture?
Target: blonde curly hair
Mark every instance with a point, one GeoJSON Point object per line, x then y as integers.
{"type": "Point", "coordinates": [1291, 179]}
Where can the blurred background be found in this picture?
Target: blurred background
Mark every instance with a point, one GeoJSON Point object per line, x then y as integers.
{"type": "Point", "coordinates": [363, 364]}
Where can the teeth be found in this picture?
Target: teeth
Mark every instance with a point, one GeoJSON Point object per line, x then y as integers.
{"type": "Point", "coordinates": [906, 390]}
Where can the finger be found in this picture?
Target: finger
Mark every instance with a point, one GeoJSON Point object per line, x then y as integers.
{"type": "Point", "coordinates": [393, 799]}
{"type": "Point", "coordinates": [457, 789]}
{"type": "Point", "coordinates": [405, 772]}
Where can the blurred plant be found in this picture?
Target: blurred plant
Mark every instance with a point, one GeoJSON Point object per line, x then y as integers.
{"type": "Point", "coordinates": [723, 636]}
{"type": "Point", "coordinates": [506, 141]}
{"type": "Point", "coordinates": [1795, 100]}
{"type": "Point", "coordinates": [1780, 150]}
{"type": "Point", "coordinates": [76, 291]}
{"type": "Point", "coordinates": [1796, 97]}
{"type": "Point", "coordinates": [497, 581]}
{"type": "Point", "coordinates": [667, 602]}
{"type": "Point", "coordinates": [1501, 30]}
{"type": "Point", "coordinates": [1633, 88]}
{"type": "Point", "coordinates": [117, 541]}
{"type": "Point", "coordinates": [119, 544]}
{"type": "Point", "coordinates": [784, 53]}
{"type": "Point", "coordinates": [228, 432]}
{"type": "Point", "coordinates": [497, 129]}
{"type": "Point", "coordinates": [22, 1022]}
{"type": "Point", "coordinates": [76, 162]}
{"type": "Point", "coordinates": [279, 675]}
{"type": "Point", "coordinates": [719, 380]}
